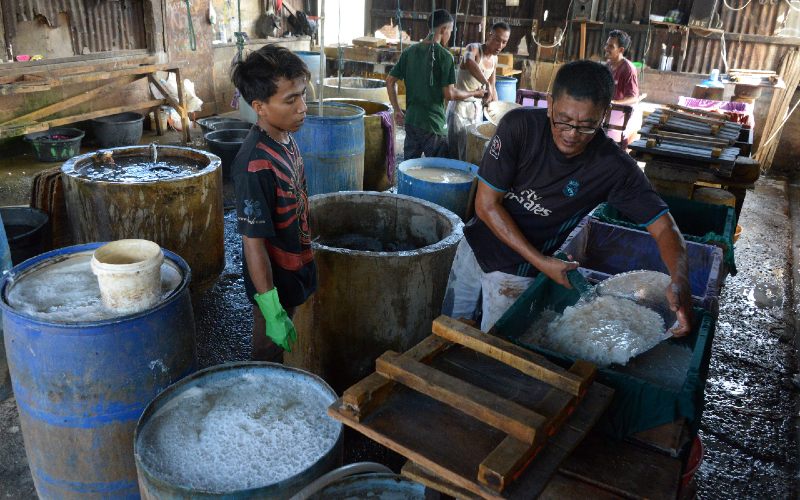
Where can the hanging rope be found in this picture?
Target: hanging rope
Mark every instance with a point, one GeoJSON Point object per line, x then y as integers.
{"type": "Point", "coordinates": [192, 37]}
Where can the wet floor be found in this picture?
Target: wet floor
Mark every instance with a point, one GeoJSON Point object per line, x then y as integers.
{"type": "Point", "coordinates": [749, 423]}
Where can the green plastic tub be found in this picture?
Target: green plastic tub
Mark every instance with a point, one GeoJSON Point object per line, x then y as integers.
{"type": "Point", "coordinates": [638, 404]}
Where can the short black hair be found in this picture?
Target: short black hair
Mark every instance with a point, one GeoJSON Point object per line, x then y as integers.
{"type": "Point", "coordinates": [623, 39]}
{"type": "Point", "coordinates": [500, 25]}
{"type": "Point", "coordinates": [585, 79]}
{"type": "Point", "coordinates": [438, 18]}
{"type": "Point", "coordinates": [256, 77]}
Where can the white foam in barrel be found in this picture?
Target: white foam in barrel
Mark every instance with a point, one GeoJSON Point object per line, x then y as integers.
{"type": "Point", "coordinates": [603, 330]}
{"type": "Point", "coordinates": [237, 434]}
{"type": "Point", "coordinates": [66, 291]}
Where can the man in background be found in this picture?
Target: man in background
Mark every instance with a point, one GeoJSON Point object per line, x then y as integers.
{"type": "Point", "coordinates": [428, 70]}
{"type": "Point", "coordinates": [477, 71]}
{"type": "Point", "coordinates": [626, 79]}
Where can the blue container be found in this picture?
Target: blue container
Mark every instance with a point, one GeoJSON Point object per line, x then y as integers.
{"type": "Point", "coordinates": [332, 146]}
{"type": "Point", "coordinates": [605, 250]}
{"type": "Point", "coordinates": [5, 266]}
{"type": "Point", "coordinates": [454, 196]}
{"type": "Point", "coordinates": [80, 387]}
{"type": "Point", "coordinates": [506, 88]}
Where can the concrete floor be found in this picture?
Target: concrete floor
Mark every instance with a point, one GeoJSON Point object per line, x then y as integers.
{"type": "Point", "coordinates": [750, 415]}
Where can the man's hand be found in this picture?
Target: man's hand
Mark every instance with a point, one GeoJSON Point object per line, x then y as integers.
{"type": "Point", "coordinates": [557, 269]}
{"type": "Point", "coordinates": [399, 116]}
{"type": "Point", "coordinates": [679, 297]}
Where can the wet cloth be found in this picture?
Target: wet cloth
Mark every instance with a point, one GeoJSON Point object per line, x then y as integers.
{"type": "Point", "coordinates": [467, 284]}
{"type": "Point", "coordinates": [387, 123]}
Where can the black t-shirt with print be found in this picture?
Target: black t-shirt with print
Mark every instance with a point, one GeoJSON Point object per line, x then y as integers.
{"type": "Point", "coordinates": [272, 203]}
{"type": "Point", "coordinates": [547, 194]}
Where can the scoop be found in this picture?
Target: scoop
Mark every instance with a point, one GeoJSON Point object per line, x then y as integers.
{"type": "Point", "coordinates": [646, 288]}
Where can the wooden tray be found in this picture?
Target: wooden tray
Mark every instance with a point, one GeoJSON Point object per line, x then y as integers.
{"type": "Point", "coordinates": [484, 414]}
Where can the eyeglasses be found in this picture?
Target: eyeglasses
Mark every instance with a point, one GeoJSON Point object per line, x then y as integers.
{"type": "Point", "coordinates": [581, 129]}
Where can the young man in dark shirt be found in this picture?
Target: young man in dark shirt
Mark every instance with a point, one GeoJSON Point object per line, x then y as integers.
{"type": "Point", "coordinates": [543, 171]}
{"type": "Point", "coordinates": [271, 197]}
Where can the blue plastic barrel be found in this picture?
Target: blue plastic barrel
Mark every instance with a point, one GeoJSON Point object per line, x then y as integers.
{"type": "Point", "coordinates": [454, 196]}
{"type": "Point", "coordinates": [506, 88]}
{"type": "Point", "coordinates": [5, 266]}
{"type": "Point", "coordinates": [332, 146]}
{"type": "Point", "coordinates": [80, 387]}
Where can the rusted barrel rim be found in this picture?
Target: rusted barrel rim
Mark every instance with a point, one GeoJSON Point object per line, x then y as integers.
{"type": "Point", "coordinates": [313, 106]}
{"type": "Point", "coordinates": [72, 165]}
{"type": "Point", "coordinates": [451, 239]}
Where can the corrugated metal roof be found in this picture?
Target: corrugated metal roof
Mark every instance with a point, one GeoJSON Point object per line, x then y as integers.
{"type": "Point", "coordinates": [95, 25]}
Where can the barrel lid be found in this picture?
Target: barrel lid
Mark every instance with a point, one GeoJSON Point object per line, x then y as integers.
{"type": "Point", "coordinates": [63, 289]}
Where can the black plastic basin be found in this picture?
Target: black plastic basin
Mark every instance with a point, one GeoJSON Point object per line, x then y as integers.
{"type": "Point", "coordinates": [123, 129]}
{"type": "Point", "coordinates": [225, 144]}
{"type": "Point", "coordinates": [27, 230]}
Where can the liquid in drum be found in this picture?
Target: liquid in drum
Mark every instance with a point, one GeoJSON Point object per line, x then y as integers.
{"type": "Point", "coordinates": [137, 169]}
{"type": "Point", "coordinates": [441, 175]}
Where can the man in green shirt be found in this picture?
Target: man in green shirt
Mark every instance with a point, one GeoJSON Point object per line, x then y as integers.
{"type": "Point", "coordinates": [428, 70]}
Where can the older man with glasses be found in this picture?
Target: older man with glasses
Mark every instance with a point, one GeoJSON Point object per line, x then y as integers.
{"type": "Point", "coordinates": [542, 172]}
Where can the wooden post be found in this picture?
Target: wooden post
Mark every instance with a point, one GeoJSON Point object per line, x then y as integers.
{"type": "Point", "coordinates": [582, 48]}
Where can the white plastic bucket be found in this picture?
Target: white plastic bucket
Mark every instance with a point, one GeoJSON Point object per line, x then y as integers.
{"type": "Point", "coordinates": [129, 274]}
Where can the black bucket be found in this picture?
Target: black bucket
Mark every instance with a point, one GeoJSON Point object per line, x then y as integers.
{"type": "Point", "coordinates": [56, 144]}
{"type": "Point", "coordinates": [212, 123]}
{"type": "Point", "coordinates": [225, 144]}
{"type": "Point", "coordinates": [124, 129]}
{"type": "Point", "coordinates": [231, 124]}
{"type": "Point", "coordinates": [27, 230]}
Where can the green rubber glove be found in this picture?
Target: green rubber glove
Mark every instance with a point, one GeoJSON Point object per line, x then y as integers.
{"type": "Point", "coordinates": [279, 327]}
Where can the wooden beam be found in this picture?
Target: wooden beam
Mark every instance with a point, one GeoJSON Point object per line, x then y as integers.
{"type": "Point", "coordinates": [105, 112]}
{"type": "Point", "coordinates": [511, 456]}
{"type": "Point", "coordinates": [92, 76]}
{"type": "Point", "coordinates": [524, 360]}
{"type": "Point", "coordinates": [187, 138]}
{"type": "Point", "coordinates": [72, 101]}
{"type": "Point", "coordinates": [369, 393]}
{"type": "Point", "coordinates": [502, 414]}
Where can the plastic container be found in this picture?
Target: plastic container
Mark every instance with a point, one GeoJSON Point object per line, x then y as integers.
{"type": "Point", "coordinates": [638, 404]}
{"type": "Point", "coordinates": [454, 196]}
{"type": "Point", "coordinates": [693, 463]}
{"type": "Point", "coordinates": [226, 144]}
{"type": "Point", "coordinates": [208, 124]}
{"type": "Point", "coordinates": [605, 250]}
{"type": "Point", "coordinates": [230, 124]}
{"type": "Point", "coordinates": [333, 148]}
{"type": "Point", "coordinates": [5, 266]}
{"type": "Point", "coordinates": [27, 230]}
{"type": "Point", "coordinates": [129, 274]}
{"type": "Point", "coordinates": [506, 88]}
{"type": "Point", "coordinates": [124, 129]}
{"type": "Point", "coordinates": [81, 386]}
{"type": "Point", "coordinates": [57, 144]}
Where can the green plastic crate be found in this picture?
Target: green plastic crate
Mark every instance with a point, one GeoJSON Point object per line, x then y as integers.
{"type": "Point", "coordinates": [638, 404]}
{"type": "Point", "coordinates": [698, 222]}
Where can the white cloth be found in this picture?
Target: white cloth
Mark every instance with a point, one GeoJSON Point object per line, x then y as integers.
{"type": "Point", "coordinates": [467, 282]}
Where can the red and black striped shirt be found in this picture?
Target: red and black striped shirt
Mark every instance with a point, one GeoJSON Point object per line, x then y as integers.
{"type": "Point", "coordinates": [272, 203]}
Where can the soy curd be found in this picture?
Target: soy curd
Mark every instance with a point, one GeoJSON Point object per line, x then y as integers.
{"type": "Point", "coordinates": [238, 433]}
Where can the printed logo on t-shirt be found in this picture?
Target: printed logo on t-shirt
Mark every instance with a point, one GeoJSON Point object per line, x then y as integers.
{"type": "Point", "coordinates": [252, 212]}
{"type": "Point", "coordinates": [529, 200]}
{"type": "Point", "coordinates": [494, 149]}
{"type": "Point", "coordinates": [571, 189]}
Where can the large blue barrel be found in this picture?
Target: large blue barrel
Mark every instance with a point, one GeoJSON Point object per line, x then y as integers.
{"type": "Point", "coordinates": [454, 196]}
{"type": "Point", "coordinates": [332, 146]}
{"type": "Point", "coordinates": [80, 387]}
{"type": "Point", "coordinates": [506, 88]}
{"type": "Point", "coordinates": [5, 266]}
{"type": "Point", "coordinates": [228, 396]}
